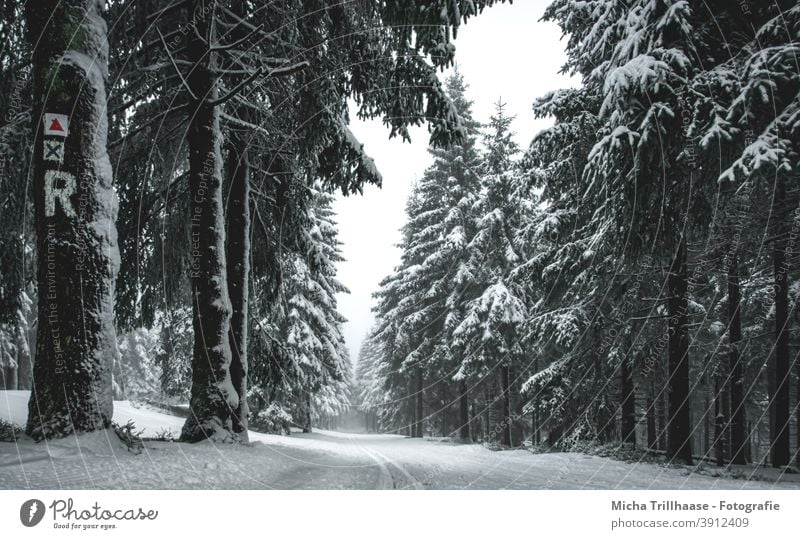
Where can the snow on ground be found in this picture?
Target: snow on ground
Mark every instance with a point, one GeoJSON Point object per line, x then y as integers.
{"type": "Point", "coordinates": [321, 460]}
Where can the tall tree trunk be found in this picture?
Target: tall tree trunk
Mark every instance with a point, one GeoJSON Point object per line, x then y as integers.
{"type": "Point", "coordinates": [9, 378]}
{"type": "Point", "coordinates": [445, 409]}
{"type": "Point", "coordinates": [535, 424]}
{"type": "Point", "coordinates": [505, 420]}
{"type": "Point", "coordinates": [463, 409]}
{"type": "Point", "coordinates": [238, 258]}
{"type": "Point", "coordinates": [719, 425]}
{"type": "Point", "coordinates": [738, 418]}
{"type": "Point", "coordinates": [780, 403]}
{"type": "Point", "coordinates": [213, 398]}
{"type": "Point", "coordinates": [679, 437]}
{"type": "Point", "coordinates": [418, 412]}
{"type": "Point", "coordinates": [307, 418]}
{"type": "Point", "coordinates": [75, 208]}
{"type": "Point", "coordinates": [652, 438]}
{"type": "Point", "coordinates": [708, 415]}
{"type": "Point", "coordinates": [24, 360]}
{"type": "Point", "coordinates": [628, 403]}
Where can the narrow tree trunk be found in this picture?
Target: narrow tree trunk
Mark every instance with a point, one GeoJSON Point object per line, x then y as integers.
{"type": "Point", "coordinates": [418, 409]}
{"type": "Point", "coordinates": [463, 409]}
{"type": "Point", "coordinates": [535, 424]}
{"type": "Point", "coordinates": [445, 408]}
{"type": "Point", "coordinates": [23, 356]}
{"type": "Point", "coordinates": [213, 398]}
{"type": "Point", "coordinates": [780, 404]}
{"type": "Point", "coordinates": [738, 419]}
{"type": "Point", "coordinates": [24, 359]}
{"type": "Point", "coordinates": [708, 415]}
{"type": "Point", "coordinates": [505, 420]}
{"type": "Point", "coordinates": [238, 259]}
{"type": "Point", "coordinates": [663, 420]}
{"type": "Point", "coordinates": [628, 433]}
{"type": "Point", "coordinates": [679, 437]}
{"type": "Point", "coordinates": [307, 418]}
{"type": "Point", "coordinates": [75, 208]}
{"type": "Point", "coordinates": [10, 378]}
{"type": "Point", "coordinates": [652, 439]}
{"type": "Point", "coordinates": [719, 426]}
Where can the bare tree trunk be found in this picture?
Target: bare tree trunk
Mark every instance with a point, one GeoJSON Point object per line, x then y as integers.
{"type": "Point", "coordinates": [463, 408]}
{"type": "Point", "coordinates": [738, 417]}
{"type": "Point", "coordinates": [628, 434]}
{"type": "Point", "coordinates": [780, 404]}
{"type": "Point", "coordinates": [418, 411]}
{"type": "Point", "coordinates": [505, 421]}
{"type": "Point", "coordinates": [75, 208]}
{"type": "Point", "coordinates": [652, 438]}
{"type": "Point", "coordinates": [307, 418]}
{"type": "Point", "coordinates": [719, 425]}
{"type": "Point", "coordinates": [238, 258]}
{"type": "Point", "coordinates": [679, 438]}
{"type": "Point", "coordinates": [9, 378]}
{"type": "Point", "coordinates": [213, 398]}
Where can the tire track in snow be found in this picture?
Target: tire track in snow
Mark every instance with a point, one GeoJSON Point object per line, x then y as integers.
{"type": "Point", "coordinates": [411, 481]}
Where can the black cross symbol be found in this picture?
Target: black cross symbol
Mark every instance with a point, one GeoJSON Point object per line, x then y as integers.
{"type": "Point", "coordinates": [52, 150]}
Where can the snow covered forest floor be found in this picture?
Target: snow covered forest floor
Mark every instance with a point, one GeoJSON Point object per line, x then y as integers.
{"type": "Point", "coordinates": [321, 460]}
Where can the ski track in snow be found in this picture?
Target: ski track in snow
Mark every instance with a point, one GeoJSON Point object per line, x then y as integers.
{"type": "Point", "coordinates": [320, 460]}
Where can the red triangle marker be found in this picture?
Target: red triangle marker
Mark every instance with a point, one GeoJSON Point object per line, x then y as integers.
{"type": "Point", "coordinates": [56, 125]}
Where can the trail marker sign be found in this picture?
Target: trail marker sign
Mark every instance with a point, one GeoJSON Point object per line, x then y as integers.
{"type": "Point", "coordinates": [56, 125]}
{"type": "Point", "coordinates": [54, 151]}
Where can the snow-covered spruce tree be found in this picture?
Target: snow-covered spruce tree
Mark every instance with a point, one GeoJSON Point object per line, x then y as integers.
{"type": "Point", "coordinates": [752, 121]}
{"type": "Point", "coordinates": [417, 305]}
{"type": "Point", "coordinates": [565, 266]}
{"type": "Point", "coordinates": [76, 207]}
{"type": "Point", "coordinates": [367, 382]}
{"type": "Point", "coordinates": [644, 57]}
{"type": "Point", "coordinates": [17, 230]}
{"type": "Point", "coordinates": [491, 310]}
{"type": "Point", "coordinates": [313, 325]}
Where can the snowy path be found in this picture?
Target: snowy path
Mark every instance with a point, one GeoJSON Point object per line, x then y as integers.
{"type": "Point", "coordinates": [321, 460]}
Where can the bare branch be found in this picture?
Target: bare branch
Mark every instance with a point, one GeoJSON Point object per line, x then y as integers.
{"type": "Point", "coordinates": [174, 65]}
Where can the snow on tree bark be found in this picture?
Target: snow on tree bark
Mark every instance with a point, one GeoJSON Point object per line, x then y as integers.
{"type": "Point", "coordinates": [213, 398]}
{"type": "Point", "coordinates": [238, 258]}
{"type": "Point", "coordinates": [75, 208]}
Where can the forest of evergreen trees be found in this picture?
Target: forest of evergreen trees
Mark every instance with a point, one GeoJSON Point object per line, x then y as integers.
{"type": "Point", "coordinates": [629, 277]}
{"type": "Point", "coordinates": [168, 173]}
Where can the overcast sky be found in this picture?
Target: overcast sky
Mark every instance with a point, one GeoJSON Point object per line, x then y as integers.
{"type": "Point", "coordinates": [503, 53]}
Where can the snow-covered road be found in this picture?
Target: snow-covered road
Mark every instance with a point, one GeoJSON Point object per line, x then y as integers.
{"type": "Point", "coordinates": [321, 460]}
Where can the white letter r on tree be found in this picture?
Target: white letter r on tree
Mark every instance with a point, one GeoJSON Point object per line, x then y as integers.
{"type": "Point", "coordinates": [58, 185]}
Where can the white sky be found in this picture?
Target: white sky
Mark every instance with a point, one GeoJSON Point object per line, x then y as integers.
{"type": "Point", "coordinates": [503, 53]}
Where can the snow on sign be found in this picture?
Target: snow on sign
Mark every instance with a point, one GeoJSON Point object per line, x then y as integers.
{"type": "Point", "coordinates": [56, 124]}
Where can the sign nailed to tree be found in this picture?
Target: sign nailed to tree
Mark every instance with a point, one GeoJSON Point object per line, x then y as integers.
{"type": "Point", "coordinates": [56, 124]}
